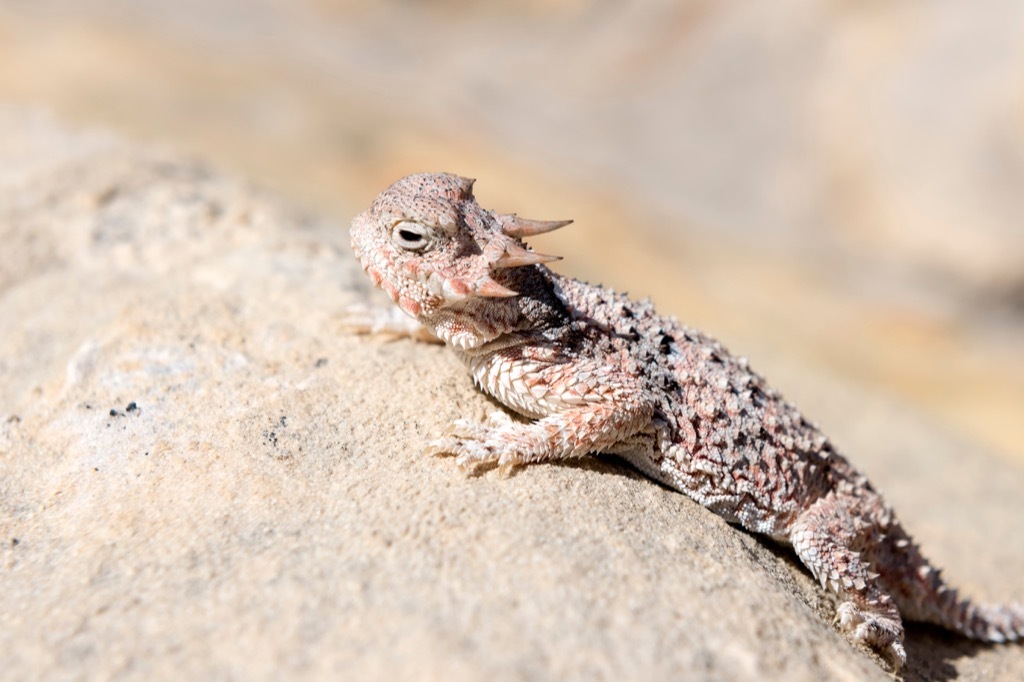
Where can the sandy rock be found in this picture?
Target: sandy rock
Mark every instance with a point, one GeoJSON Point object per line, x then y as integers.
{"type": "Point", "coordinates": [202, 476]}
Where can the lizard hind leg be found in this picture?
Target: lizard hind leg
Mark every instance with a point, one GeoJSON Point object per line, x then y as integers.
{"type": "Point", "coordinates": [826, 538]}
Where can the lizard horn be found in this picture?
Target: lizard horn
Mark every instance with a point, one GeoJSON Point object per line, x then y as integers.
{"type": "Point", "coordinates": [489, 288]}
{"type": "Point", "coordinates": [466, 185]}
{"type": "Point", "coordinates": [515, 256]}
{"type": "Point", "coordinates": [514, 226]}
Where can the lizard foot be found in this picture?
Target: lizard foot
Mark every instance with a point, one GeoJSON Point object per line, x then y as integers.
{"type": "Point", "coordinates": [475, 444]}
{"type": "Point", "coordinates": [883, 634]}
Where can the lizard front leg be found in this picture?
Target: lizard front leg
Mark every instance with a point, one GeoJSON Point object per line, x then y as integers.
{"type": "Point", "coordinates": [371, 320]}
{"type": "Point", "coordinates": [576, 432]}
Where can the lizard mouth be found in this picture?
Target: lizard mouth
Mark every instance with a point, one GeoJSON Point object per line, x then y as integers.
{"type": "Point", "coordinates": [459, 289]}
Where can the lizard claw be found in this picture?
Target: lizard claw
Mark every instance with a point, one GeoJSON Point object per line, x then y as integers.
{"type": "Point", "coordinates": [468, 453]}
{"type": "Point", "coordinates": [362, 319]}
{"type": "Point", "coordinates": [881, 634]}
{"type": "Point", "coordinates": [474, 443]}
{"type": "Point", "coordinates": [441, 446]}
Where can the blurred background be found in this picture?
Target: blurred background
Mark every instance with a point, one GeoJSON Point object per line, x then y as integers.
{"type": "Point", "coordinates": [828, 186]}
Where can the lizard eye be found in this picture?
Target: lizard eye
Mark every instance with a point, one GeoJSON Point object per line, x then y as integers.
{"type": "Point", "coordinates": [410, 236]}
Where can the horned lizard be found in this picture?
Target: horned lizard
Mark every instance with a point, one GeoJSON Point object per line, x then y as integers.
{"type": "Point", "coordinates": [599, 373]}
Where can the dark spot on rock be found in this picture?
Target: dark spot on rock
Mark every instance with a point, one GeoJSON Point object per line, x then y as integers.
{"type": "Point", "coordinates": [95, 468]}
{"type": "Point", "coordinates": [113, 412]}
{"type": "Point", "coordinates": [131, 407]}
{"type": "Point", "coordinates": [320, 362]}
{"type": "Point", "coordinates": [107, 195]}
{"type": "Point", "coordinates": [14, 542]}
{"type": "Point", "coordinates": [283, 421]}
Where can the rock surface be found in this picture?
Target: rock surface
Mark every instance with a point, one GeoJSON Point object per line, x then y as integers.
{"type": "Point", "coordinates": [202, 476]}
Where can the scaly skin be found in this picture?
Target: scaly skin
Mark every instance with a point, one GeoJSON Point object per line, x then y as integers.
{"type": "Point", "coordinates": [599, 373]}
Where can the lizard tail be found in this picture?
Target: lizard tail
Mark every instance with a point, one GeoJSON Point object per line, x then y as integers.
{"type": "Point", "coordinates": [923, 595]}
{"type": "Point", "coordinates": [982, 622]}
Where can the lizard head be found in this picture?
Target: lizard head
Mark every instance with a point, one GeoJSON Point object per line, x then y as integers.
{"type": "Point", "coordinates": [429, 245]}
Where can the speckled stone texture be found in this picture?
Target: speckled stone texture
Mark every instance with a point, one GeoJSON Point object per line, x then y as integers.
{"type": "Point", "coordinates": [200, 476]}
